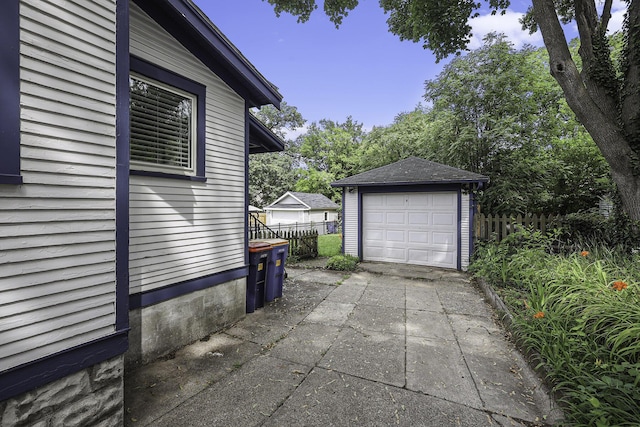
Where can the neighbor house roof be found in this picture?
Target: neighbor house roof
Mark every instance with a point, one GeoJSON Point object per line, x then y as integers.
{"type": "Point", "coordinates": [191, 27]}
{"type": "Point", "coordinates": [412, 170]}
{"type": "Point", "coordinates": [305, 201]}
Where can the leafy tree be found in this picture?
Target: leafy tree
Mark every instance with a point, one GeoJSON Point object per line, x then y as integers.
{"type": "Point", "coordinates": [496, 113]}
{"type": "Point", "coordinates": [331, 148]}
{"type": "Point", "coordinates": [605, 100]}
{"type": "Point", "coordinates": [314, 181]}
{"type": "Point", "coordinates": [273, 174]}
{"type": "Point", "coordinates": [404, 138]}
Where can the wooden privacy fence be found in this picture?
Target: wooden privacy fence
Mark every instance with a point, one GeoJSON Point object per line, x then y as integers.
{"type": "Point", "coordinates": [302, 244]}
{"type": "Point", "coordinates": [497, 227]}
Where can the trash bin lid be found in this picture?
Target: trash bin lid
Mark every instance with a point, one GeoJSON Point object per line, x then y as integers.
{"type": "Point", "coordinates": [259, 246]}
{"type": "Point", "coordinates": [275, 242]}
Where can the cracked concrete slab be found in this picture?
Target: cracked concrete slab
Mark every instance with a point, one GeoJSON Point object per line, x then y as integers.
{"type": "Point", "coordinates": [368, 354]}
{"type": "Point", "coordinates": [394, 345]}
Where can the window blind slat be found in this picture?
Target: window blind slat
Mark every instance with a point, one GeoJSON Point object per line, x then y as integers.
{"type": "Point", "coordinates": [161, 122]}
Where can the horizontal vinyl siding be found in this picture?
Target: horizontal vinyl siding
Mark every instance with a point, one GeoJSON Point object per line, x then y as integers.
{"type": "Point", "coordinates": [57, 230]}
{"type": "Point", "coordinates": [465, 231]}
{"type": "Point", "coordinates": [181, 230]}
{"type": "Point", "coordinates": [350, 223]}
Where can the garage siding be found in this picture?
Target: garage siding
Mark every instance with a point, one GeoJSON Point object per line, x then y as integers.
{"type": "Point", "coordinates": [350, 223]}
{"type": "Point", "coordinates": [465, 231]}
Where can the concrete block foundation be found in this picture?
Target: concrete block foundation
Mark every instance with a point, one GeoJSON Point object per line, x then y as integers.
{"type": "Point", "coordinates": [163, 328]}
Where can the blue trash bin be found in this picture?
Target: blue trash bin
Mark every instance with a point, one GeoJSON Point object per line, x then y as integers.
{"type": "Point", "coordinates": [259, 257]}
{"type": "Point", "coordinates": [275, 271]}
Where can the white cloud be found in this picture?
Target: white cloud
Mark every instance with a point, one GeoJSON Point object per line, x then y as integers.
{"type": "Point", "coordinates": [618, 9]}
{"type": "Point", "coordinates": [508, 24]}
{"type": "Point", "coordinates": [293, 134]}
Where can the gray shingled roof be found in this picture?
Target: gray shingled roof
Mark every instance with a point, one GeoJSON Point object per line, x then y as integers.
{"type": "Point", "coordinates": [412, 170]}
{"type": "Point", "coordinates": [313, 200]}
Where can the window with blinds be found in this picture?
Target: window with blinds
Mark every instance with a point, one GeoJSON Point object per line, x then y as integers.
{"type": "Point", "coordinates": [163, 127]}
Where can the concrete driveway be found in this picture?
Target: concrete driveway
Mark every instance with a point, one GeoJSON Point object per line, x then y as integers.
{"type": "Point", "coordinates": [388, 345]}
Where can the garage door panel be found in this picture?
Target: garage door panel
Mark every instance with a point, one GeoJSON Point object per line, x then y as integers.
{"type": "Point", "coordinates": [394, 201]}
{"type": "Point", "coordinates": [445, 200]}
{"type": "Point", "coordinates": [374, 218]}
{"type": "Point", "coordinates": [443, 238]}
{"type": "Point", "coordinates": [420, 237]}
{"type": "Point", "coordinates": [418, 256]}
{"type": "Point", "coordinates": [395, 218]}
{"type": "Point", "coordinates": [374, 235]}
{"type": "Point", "coordinates": [443, 219]}
{"type": "Point", "coordinates": [394, 254]}
{"type": "Point", "coordinates": [418, 201]}
{"type": "Point", "coordinates": [442, 259]}
{"type": "Point", "coordinates": [413, 228]}
{"type": "Point", "coordinates": [396, 236]}
{"type": "Point", "coordinates": [419, 219]}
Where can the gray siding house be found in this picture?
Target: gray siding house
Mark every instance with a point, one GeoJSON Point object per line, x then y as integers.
{"type": "Point", "coordinates": [126, 135]}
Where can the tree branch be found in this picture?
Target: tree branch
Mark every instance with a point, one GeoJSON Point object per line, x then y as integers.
{"type": "Point", "coordinates": [606, 14]}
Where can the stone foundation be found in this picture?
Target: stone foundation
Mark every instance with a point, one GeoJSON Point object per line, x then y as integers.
{"type": "Point", "coordinates": [163, 328]}
{"type": "Point", "coordinates": [90, 397]}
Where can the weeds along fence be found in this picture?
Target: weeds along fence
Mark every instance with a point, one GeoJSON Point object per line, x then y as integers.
{"type": "Point", "coordinates": [497, 227]}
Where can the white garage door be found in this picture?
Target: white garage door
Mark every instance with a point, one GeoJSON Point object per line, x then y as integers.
{"type": "Point", "coordinates": [411, 228]}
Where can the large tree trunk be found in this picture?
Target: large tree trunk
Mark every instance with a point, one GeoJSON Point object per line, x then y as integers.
{"type": "Point", "coordinates": [594, 103]}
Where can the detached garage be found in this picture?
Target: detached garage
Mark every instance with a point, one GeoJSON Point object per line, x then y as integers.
{"type": "Point", "coordinates": [410, 212]}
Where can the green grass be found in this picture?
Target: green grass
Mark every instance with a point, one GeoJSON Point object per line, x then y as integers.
{"type": "Point", "coordinates": [581, 313]}
{"type": "Point", "coordinates": [329, 244]}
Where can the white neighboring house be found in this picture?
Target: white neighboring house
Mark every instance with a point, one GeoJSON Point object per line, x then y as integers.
{"type": "Point", "coordinates": [305, 210]}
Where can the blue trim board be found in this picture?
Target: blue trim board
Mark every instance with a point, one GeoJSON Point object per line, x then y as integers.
{"type": "Point", "coordinates": [155, 296]}
{"type": "Point", "coordinates": [122, 164]}
{"type": "Point", "coordinates": [343, 228]}
{"type": "Point", "coordinates": [421, 188]}
{"type": "Point", "coordinates": [247, 148]}
{"type": "Point", "coordinates": [163, 75]}
{"type": "Point", "coordinates": [360, 226]}
{"type": "Point", "coordinates": [472, 216]}
{"type": "Point", "coordinates": [459, 243]}
{"type": "Point", "coordinates": [10, 93]}
{"type": "Point", "coordinates": [40, 372]}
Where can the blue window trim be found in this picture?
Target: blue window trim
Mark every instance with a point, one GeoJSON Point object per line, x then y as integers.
{"type": "Point", "coordinates": [10, 93]}
{"type": "Point", "coordinates": [170, 78]}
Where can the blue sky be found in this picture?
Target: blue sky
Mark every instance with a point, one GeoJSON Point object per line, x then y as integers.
{"type": "Point", "coordinates": [360, 70]}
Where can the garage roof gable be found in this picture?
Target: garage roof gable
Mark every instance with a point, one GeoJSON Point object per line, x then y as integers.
{"type": "Point", "coordinates": [412, 170]}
